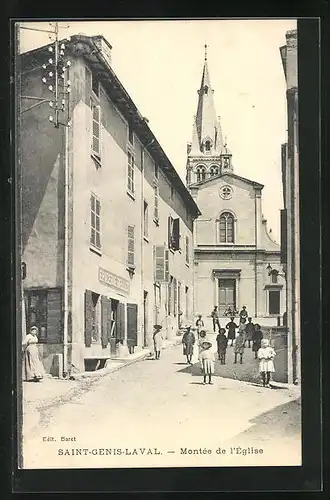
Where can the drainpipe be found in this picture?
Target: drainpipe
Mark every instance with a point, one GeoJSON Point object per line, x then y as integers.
{"type": "Point", "coordinates": [66, 249]}
{"type": "Point", "coordinates": [144, 148]}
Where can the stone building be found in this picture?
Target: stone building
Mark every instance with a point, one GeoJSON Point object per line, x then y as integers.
{"type": "Point", "coordinates": [290, 214]}
{"type": "Point", "coordinates": [234, 251]}
{"type": "Point", "coordinates": [107, 223]}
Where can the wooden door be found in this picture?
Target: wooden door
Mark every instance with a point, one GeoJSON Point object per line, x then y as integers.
{"type": "Point", "coordinates": [227, 294]}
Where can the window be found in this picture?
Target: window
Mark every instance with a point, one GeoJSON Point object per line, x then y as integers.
{"type": "Point", "coordinates": [161, 264]}
{"type": "Point", "coordinates": [95, 238]}
{"type": "Point", "coordinates": [95, 85]}
{"type": "Point", "coordinates": [130, 174]}
{"type": "Point", "coordinates": [226, 228]}
{"type": "Point", "coordinates": [96, 129]}
{"type": "Point", "coordinates": [214, 171]}
{"type": "Point", "coordinates": [274, 276]}
{"type": "Point", "coordinates": [131, 246]}
{"type": "Point", "coordinates": [172, 192]}
{"type": "Point", "coordinates": [207, 146]}
{"type": "Point", "coordinates": [201, 174]}
{"type": "Point", "coordinates": [156, 201]}
{"type": "Point", "coordinates": [274, 301]}
{"type": "Point", "coordinates": [145, 219]}
{"type": "Point", "coordinates": [130, 134]}
{"type": "Point", "coordinates": [187, 249]}
{"type": "Point", "coordinates": [44, 310]}
{"type": "Point", "coordinates": [173, 233]}
{"type": "Point", "coordinates": [156, 171]}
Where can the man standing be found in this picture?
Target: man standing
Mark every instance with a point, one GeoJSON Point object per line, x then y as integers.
{"type": "Point", "coordinates": [215, 318]}
{"type": "Point", "coordinates": [249, 330]}
{"type": "Point", "coordinates": [231, 327]}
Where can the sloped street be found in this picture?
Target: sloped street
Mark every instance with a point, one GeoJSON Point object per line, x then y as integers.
{"type": "Point", "coordinates": [158, 413]}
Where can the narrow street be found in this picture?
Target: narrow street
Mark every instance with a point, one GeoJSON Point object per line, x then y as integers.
{"type": "Point", "coordinates": [162, 404]}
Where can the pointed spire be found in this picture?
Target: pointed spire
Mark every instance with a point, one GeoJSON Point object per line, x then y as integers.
{"type": "Point", "coordinates": [206, 119]}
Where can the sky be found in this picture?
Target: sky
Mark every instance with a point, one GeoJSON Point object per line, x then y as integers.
{"type": "Point", "coordinates": [160, 64]}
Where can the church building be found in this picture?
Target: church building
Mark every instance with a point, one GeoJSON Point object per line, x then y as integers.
{"type": "Point", "coordinates": [237, 262]}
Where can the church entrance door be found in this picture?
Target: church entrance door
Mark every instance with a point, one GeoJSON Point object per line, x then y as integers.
{"type": "Point", "coordinates": [227, 294]}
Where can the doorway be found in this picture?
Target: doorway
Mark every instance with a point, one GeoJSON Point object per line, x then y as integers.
{"type": "Point", "coordinates": [227, 294]}
{"type": "Point", "coordinates": [145, 318]}
{"type": "Point", "coordinates": [114, 327]}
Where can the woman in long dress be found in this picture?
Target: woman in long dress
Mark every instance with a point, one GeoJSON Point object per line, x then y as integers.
{"type": "Point", "coordinates": [207, 361]}
{"type": "Point", "coordinates": [33, 370]}
{"type": "Point", "coordinates": [188, 341]}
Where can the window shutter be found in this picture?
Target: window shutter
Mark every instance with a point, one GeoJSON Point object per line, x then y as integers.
{"type": "Point", "coordinates": [96, 129]}
{"type": "Point", "coordinates": [284, 236]}
{"type": "Point", "coordinates": [132, 324]}
{"type": "Point", "coordinates": [159, 264]}
{"type": "Point", "coordinates": [54, 317]}
{"type": "Point", "coordinates": [176, 234]}
{"type": "Point", "coordinates": [88, 318]}
{"type": "Point", "coordinates": [105, 319]}
{"type": "Point", "coordinates": [167, 266]}
{"type": "Point", "coordinates": [130, 243]}
{"type": "Point", "coordinates": [121, 322]}
{"type": "Point", "coordinates": [170, 221]}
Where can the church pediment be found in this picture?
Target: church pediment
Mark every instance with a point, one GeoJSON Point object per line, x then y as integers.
{"type": "Point", "coordinates": [228, 177]}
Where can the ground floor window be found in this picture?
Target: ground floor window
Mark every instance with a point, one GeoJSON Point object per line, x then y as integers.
{"type": "Point", "coordinates": [274, 302]}
{"type": "Point", "coordinates": [43, 307]}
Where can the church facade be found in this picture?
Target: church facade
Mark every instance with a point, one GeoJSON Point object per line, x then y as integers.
{"type": "Point", "coordinates": [237, 262]}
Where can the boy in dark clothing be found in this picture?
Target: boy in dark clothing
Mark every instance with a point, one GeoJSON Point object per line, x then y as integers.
{"type": "Point", "coordinates": [231, 327]}
{"type": "Point", "coordinates": [249, 329]}
{"type": "Point", "coordinates": [222, 342]}
{"type": "Point", "coordinates": [215, 318]}
{"type": "Point", "coordinates": [256, 339]}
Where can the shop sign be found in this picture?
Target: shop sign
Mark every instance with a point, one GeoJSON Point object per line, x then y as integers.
{"type": "Point", "coordinates": [112, 280]}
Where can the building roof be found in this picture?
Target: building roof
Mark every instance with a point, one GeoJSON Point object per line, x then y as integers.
{"type": "Point", "coordinates": [230, 174]}
{"type": "Point", "coordinates": [89, 49]}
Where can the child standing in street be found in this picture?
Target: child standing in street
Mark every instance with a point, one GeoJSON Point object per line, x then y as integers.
{"type": "Point", "coordinates": [239, 346]}
{"type": "Point", "coordinates": [266, 354]}
{"type": "Point", "coordinates": [207, 361]}
{"type": "Point", "coordinates": [222, 342]}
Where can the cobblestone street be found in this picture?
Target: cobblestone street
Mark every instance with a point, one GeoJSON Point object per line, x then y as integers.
{"type": "Point", "coordinates": [162, 405]}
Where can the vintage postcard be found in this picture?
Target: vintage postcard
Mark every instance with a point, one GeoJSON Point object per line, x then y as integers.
{"type": "Point", "coordinates": [159, 245]}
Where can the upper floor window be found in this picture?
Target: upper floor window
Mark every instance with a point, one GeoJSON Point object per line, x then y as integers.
{"type": "Point", "coordinates": [95, 209]}
{"type": "Point", "coordinates": [201, 173]}
{"type": "Point", "coordinates": [156, 203]}
{"type": "Point", "coordinates": [130, 174]}
{"type": "Point", "coordinates": [214, 171]}
{"type": "Point", "coordinates": [145, 219]}
{"type": "Point", "coordinates": [207, 146]}
{"type": "Point", "coordinates": [156, 171]}
{"type": "Point", "coordinates": [131, 246]}
{"type": "Point", "coordinates": [95, 85]}
{"type": "Point", "coordinates": [226, 228]}
{"type": "Point", "coordinates": [187, 249]}
{"type": "Point", "coordinates": [130, 134]}
{"type": "Point", "coordinates": [96, 129]}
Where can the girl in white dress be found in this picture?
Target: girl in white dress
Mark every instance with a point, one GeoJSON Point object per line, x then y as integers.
{"type": "Point", "coordinates": [266, 354]}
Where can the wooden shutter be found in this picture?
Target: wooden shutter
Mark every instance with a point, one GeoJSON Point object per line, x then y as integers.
{"type": "Point", "coordinates": [96, 128]}
{"type": "Point", "coordinates": [130, 246]}
{"type": "Point", "coordinates": [105, 321]}
{"type": "Point", "coordinates": [176, 234]}
{"type": "Point", "coordinates": [120, 334]}
{"type": "Point", "coordinates": [284, 236]}
{"type": "Point", "coordinates": [88, 318]}
{"type": "Point", "coordinates": [54, 317]}
{"type": "Point", "coordinates": [132, 324]}
{"type": "Point", "coordinates": [159, 263]}
{"type": "Point", "coordinates": [167, 266]}
{"type": "Point", "coordinates": [170, 241]}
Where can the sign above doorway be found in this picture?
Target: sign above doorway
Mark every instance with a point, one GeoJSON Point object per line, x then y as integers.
{"type": "Point", "coordinates": [113, 281]}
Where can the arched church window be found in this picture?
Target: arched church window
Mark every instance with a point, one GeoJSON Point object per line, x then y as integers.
{"type": "Point", "coordinates": [201, 173]}
{"type": "Point", "coordinates": [206, 89]}
{"type": "Point", "coordinates": [214, 171]}
{"type": "Point", "coordinates": [226, 228]}
{"type": "Point", "coordinates": [207, 146]}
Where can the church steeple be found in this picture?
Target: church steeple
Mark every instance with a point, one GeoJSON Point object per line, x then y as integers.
{"type": "Point", "coordinates": [207, 140]}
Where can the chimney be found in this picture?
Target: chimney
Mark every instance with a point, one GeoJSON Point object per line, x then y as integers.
{"type": "Point", "coordinates": [104, 47]}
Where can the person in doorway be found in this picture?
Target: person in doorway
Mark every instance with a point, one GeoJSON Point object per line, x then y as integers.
{"type": "Point", "coordinates": [266, 354]}
{"type": "Point", "coordinates": [206, 358]}
{"type": "Point", "coordinates": [199, 323]}
{"type": "Point", "coordinates": [222, 343]}
{"type": "Point", "coordinates": [157, 338]}
{"type": "Point", "coordinates": [33, 369]}
{"type": "Point", "coordinates": [215, 318]}
{"type": "Point", "coordinates": [188, 341]}
{"type": "Point", "coordinates": [231, 327]}
{"type": "Point", "coordinates": [256, 339]}
{"type": "Point", "coordinates": [243, 314]}
{"type": "Point", "coordinates": [249, 329]}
